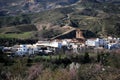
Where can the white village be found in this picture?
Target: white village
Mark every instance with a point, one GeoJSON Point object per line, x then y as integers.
{"type": "Point", "coordinates": [73, 41]}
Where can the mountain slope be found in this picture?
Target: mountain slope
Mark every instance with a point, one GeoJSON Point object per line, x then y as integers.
{"type": "Point", "coordinates": [13, 7]}
{"type": "Point", "coordinates": [100, 16]}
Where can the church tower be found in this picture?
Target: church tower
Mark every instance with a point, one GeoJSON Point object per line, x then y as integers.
{"type": "Point", "coordinates": [79, 34]}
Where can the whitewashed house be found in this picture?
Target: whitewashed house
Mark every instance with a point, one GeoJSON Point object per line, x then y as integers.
{"type": "Point", "coordinates": [95, 42]}
{"type": "Point", "coordinates": [54, 44]}
{"type": "Point", "coordinates": [64, 43]}
{"type": "Point", "coordinates": [20, 49]}
{"type": "Point", "coordinates": [24, 49]}
{"type": "Point", "coordinates": [7, 50]}
{"type": "Point", "coordinates": [46, 46]}
{"type": "Point", "coordinates": [113, 43]}
{"type": "Point", "coordinates": [32, 49]}
{"type": "Point", "coordinates": [113, 46]}
{"type": "Point", "coordinates": [35, 48]}
{"type": "Point", "coordinates": [40, 44]}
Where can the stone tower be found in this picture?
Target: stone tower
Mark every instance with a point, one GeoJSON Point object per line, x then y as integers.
{"type": "Point", "coordinates": [79, 34]}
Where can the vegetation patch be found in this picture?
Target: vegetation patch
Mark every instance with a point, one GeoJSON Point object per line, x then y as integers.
{"type": "Point", "coordinates": [24, 35]}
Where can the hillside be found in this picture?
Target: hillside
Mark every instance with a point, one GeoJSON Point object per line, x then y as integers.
{"type": "Point", "coordinates": [99, 16]}
{"type": "Point", "coordinates": [14, 7]}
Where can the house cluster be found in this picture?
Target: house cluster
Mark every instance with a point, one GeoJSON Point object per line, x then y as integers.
{"type": "Point", "coordinates": [107, 43]}
{"type": "Point", "coordinates": [73, 40]}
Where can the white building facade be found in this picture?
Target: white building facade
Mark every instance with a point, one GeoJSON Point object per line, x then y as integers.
{"type": "Point", "coordinates": [96, 42]}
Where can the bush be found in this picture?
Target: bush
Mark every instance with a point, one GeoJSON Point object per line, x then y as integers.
{"type": "Point", "coordinates": [114, 60]}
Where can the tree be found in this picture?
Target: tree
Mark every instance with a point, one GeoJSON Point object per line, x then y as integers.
{"type": "Point", "coordinates": [98, 57]}
{"type": "Point", "coordinates": [117, 29]}
{"type": "Point", "coordinates": [74, 23]}
{"type": "Point", "coordinates": [86, 58]}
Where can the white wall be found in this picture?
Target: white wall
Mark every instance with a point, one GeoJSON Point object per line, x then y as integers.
{"type": "Point", "coordinates": [96, 42]}
{"type": "Point", "coordinates": [27, 49]}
